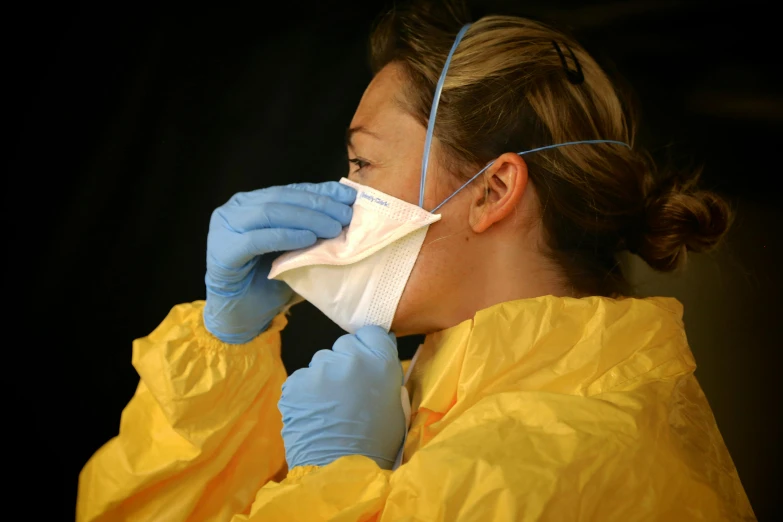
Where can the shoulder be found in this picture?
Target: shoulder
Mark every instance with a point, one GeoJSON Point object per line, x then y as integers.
{"type": "Point", "coordinates": [556, 456]}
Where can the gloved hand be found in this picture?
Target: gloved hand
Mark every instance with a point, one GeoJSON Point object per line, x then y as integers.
{"type": "Point", "coordinates": [245, 236]}
{"type": "Point", "coordinates": [347, 402]}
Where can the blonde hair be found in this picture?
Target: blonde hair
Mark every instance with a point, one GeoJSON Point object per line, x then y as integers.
{"type": "Point", "coordinates": [507, 91]}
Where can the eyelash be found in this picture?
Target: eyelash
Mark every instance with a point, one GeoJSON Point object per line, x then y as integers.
{"type": "Point", "coordinates": [360, 163]}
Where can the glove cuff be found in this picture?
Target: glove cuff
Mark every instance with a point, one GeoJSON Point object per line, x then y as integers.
{"type": "Point", "coordinates": [238, 337]}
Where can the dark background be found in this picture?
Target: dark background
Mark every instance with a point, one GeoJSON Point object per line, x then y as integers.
{"type": "Point", "coordinates": [138, 122]}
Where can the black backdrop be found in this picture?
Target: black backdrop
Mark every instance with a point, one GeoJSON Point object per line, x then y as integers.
{"type": "Point", "coordinates": [138, 122]}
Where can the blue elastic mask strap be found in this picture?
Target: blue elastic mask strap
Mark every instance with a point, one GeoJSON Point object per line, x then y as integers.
{"type": "Point", "coordinates": [522, 154]}
{"type": "Point", "coordinates": [433, 111]}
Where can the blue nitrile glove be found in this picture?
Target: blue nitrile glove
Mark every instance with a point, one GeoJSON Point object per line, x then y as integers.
{"type": "Point", "coordinates": [347, 402]}
{"type": "Point", "coordinates": [247, 233]}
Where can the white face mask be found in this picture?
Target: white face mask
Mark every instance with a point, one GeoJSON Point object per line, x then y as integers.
{"type": "Point", "coordinates": [358, 278]}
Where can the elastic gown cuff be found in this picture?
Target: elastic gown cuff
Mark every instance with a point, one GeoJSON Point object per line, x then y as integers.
{"type": "Point", "coordinates": [300, 471]}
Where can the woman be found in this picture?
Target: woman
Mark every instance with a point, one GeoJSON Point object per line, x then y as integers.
{"type": "Point", "coordinates": [541, 392]}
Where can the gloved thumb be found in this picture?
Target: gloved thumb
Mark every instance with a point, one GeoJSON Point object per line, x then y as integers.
{"type": "Point", "coordinates": [378, 341]}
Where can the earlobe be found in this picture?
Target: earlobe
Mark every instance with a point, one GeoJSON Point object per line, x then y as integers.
{"type": "Point", "coordinates": [504, 185]}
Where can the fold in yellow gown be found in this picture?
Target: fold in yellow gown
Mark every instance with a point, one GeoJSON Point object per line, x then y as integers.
{"type": "Point", "coordinates": [539, 409]}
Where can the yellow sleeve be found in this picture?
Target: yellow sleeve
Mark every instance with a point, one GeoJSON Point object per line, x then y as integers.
{"type": "Point", "coordinates": [532, 456]}
{"type": "Point", "coordinates": [200, 436]}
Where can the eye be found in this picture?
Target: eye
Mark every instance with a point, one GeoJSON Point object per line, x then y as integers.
{"type": "Point", "coordinates": [359, 162]}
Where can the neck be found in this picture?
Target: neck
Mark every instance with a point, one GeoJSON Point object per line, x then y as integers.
{"type": "Point", "coordinates": [505, 270]}
{"type": "Point", "coordinates": [498, 265]}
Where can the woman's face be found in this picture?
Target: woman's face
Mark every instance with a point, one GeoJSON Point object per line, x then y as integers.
{"type": "Point", "coordinates": [385, 149]}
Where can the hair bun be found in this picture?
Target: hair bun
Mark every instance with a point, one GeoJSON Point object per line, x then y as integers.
{"type": "Point", "coordinates": [677, 220]}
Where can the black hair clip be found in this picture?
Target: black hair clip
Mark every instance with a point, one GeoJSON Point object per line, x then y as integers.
{"type": "Point", "coordinates": [574, 76]}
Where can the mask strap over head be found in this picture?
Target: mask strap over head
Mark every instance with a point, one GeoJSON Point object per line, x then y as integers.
{"type": "Point", "coordinates": [431, 127]}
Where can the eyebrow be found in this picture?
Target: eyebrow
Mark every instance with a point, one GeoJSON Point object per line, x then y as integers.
{"type": "Point", "coordinates": [354, 130]}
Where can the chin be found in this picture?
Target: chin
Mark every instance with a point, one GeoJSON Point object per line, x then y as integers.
{"type": "Point", "coordinates": [403, 324]}
{"type": "Point", "coordinates": [414, 315]}
{"type": "Point", "coordinates": [407, 322]}
{"type": "Point", "coordinates": [401, 329]}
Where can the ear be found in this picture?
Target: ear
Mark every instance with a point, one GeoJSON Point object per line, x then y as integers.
{"type": "Point", "coordinates": [498, 192]}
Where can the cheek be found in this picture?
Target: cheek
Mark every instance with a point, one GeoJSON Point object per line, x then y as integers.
{"type": "Point", "coordinates": [401, 184]}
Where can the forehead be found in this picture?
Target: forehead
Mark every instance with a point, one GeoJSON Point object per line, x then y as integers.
{"type": "Point", "coordinates": [381, 107]}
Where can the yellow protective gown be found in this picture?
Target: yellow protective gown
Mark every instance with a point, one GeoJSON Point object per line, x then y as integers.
{"type": "Point", "coordinates": [539, 409]}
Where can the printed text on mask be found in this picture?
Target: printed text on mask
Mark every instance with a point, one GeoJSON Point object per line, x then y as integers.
{"type": "Point", "coordinates": [373, 199]}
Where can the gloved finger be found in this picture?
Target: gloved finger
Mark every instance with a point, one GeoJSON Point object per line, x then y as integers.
{"type": "Point", "coordinates": [369, 339]}
{"type": "Point", "coordinates": [279, 215]}
{"type": "Point", "coordinates": [338, 191]}
{"type": "Point", "coordinates": [348, 344]}
{"type": "Point", "coordinates": [294, 381]}
{"type": "Point", "coordinates": [379, 341]}
{"type": "Point", "coordinates": [259, 242]}
{"type": "Point", "coordinates": [333, 208]}
{"type": "Point", "coordinates": [321, 358]}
